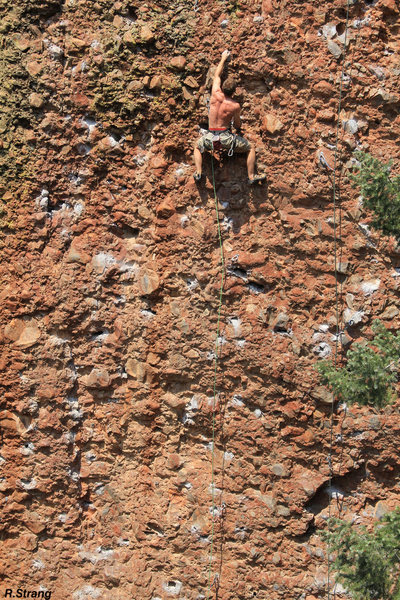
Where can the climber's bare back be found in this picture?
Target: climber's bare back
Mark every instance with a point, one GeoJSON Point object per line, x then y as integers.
{"type": "Point", "coordinates": [222, 110]}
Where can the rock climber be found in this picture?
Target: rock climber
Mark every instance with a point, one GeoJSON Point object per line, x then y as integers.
{"type": "Point", "coordinates": [223, 111]}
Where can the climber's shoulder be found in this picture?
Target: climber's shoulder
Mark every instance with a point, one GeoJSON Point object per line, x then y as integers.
{"type": "Point", "coordinates": [217, 95]}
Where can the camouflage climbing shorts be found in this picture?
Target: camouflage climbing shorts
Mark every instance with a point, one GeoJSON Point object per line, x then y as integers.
{"type": "Point", "coordinates": [227, 140]}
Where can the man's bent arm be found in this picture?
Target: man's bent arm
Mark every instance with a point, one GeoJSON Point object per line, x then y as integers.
{"type": "Point", "coordinates": [236, 119]}
{"type": "Point", "coordinates": [217, 76]}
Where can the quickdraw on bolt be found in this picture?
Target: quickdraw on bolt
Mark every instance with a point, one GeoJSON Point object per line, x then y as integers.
{"type": "Point", "coordinates": [215, 581]}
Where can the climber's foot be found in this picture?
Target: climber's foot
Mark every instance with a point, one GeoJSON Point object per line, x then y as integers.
{"type": "Point", "coordinates": [197, 177]}
{"type": "Point", "coordinates": [257, 179]}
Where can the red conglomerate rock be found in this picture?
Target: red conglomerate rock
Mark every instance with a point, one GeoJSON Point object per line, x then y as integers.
{"type": "Point", "coordinates": [110, 274]}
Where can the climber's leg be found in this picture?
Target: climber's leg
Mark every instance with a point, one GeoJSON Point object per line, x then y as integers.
{"type": "Point", "coordinates": [198, 150]}
{"type": "Point", "coordinates": [244, 146]}
{"type": "Point", "coordinates": [251, 162]}
{"type": "Point", "coordinates": [198, 162]}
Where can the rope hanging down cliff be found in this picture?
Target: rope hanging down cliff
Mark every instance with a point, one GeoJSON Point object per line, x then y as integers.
{"type": "Point", "coordinates": [335, 243]}
{"type": "Point", "coordinates": [217, 345]}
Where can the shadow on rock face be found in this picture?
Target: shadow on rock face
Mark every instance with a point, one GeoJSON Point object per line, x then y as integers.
{"type": "Point", "coordinates": [43, 8]}
{"type": "Point", "coordinates": [231, 184]}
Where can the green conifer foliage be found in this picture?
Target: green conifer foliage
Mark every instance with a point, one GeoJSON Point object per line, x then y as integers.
{"type": "Point", "coordinates": [370, 372]}
{"type": "Point", "coordinates": [367, 563]}
{"type": "Point", "coordinates": [380, 192]}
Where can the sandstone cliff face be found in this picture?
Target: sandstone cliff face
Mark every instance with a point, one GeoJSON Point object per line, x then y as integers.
{"type": "Point", "coordinates": [110, 278]}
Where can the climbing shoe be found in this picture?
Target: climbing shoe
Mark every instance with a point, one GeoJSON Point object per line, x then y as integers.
{"type": "Point", "coordinates": [257, 179]}
{"type": "Point", "coordinates": [197, 177]}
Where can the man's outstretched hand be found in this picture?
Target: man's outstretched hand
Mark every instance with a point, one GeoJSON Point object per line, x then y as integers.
{"type": "Point", "coordinates": [218, 71]}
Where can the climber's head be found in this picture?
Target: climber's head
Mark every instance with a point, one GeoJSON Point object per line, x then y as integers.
{"type": "Point", "coordinates": [229, 85]}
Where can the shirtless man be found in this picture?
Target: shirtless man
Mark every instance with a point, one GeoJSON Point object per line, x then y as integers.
{"type": "Point", "coordinates": [223, 110]}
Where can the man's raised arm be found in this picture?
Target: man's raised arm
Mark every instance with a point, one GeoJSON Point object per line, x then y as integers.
{"type": "Point", "coordinates": [217, 76]}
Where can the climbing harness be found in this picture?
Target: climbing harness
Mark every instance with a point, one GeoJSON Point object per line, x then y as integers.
{"type": "Point", "coordinates": [214, 404]}
{"type": "Point", "coordinates": [216, 139]}
{"type": "Point", "coordinates": [216, 143]}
